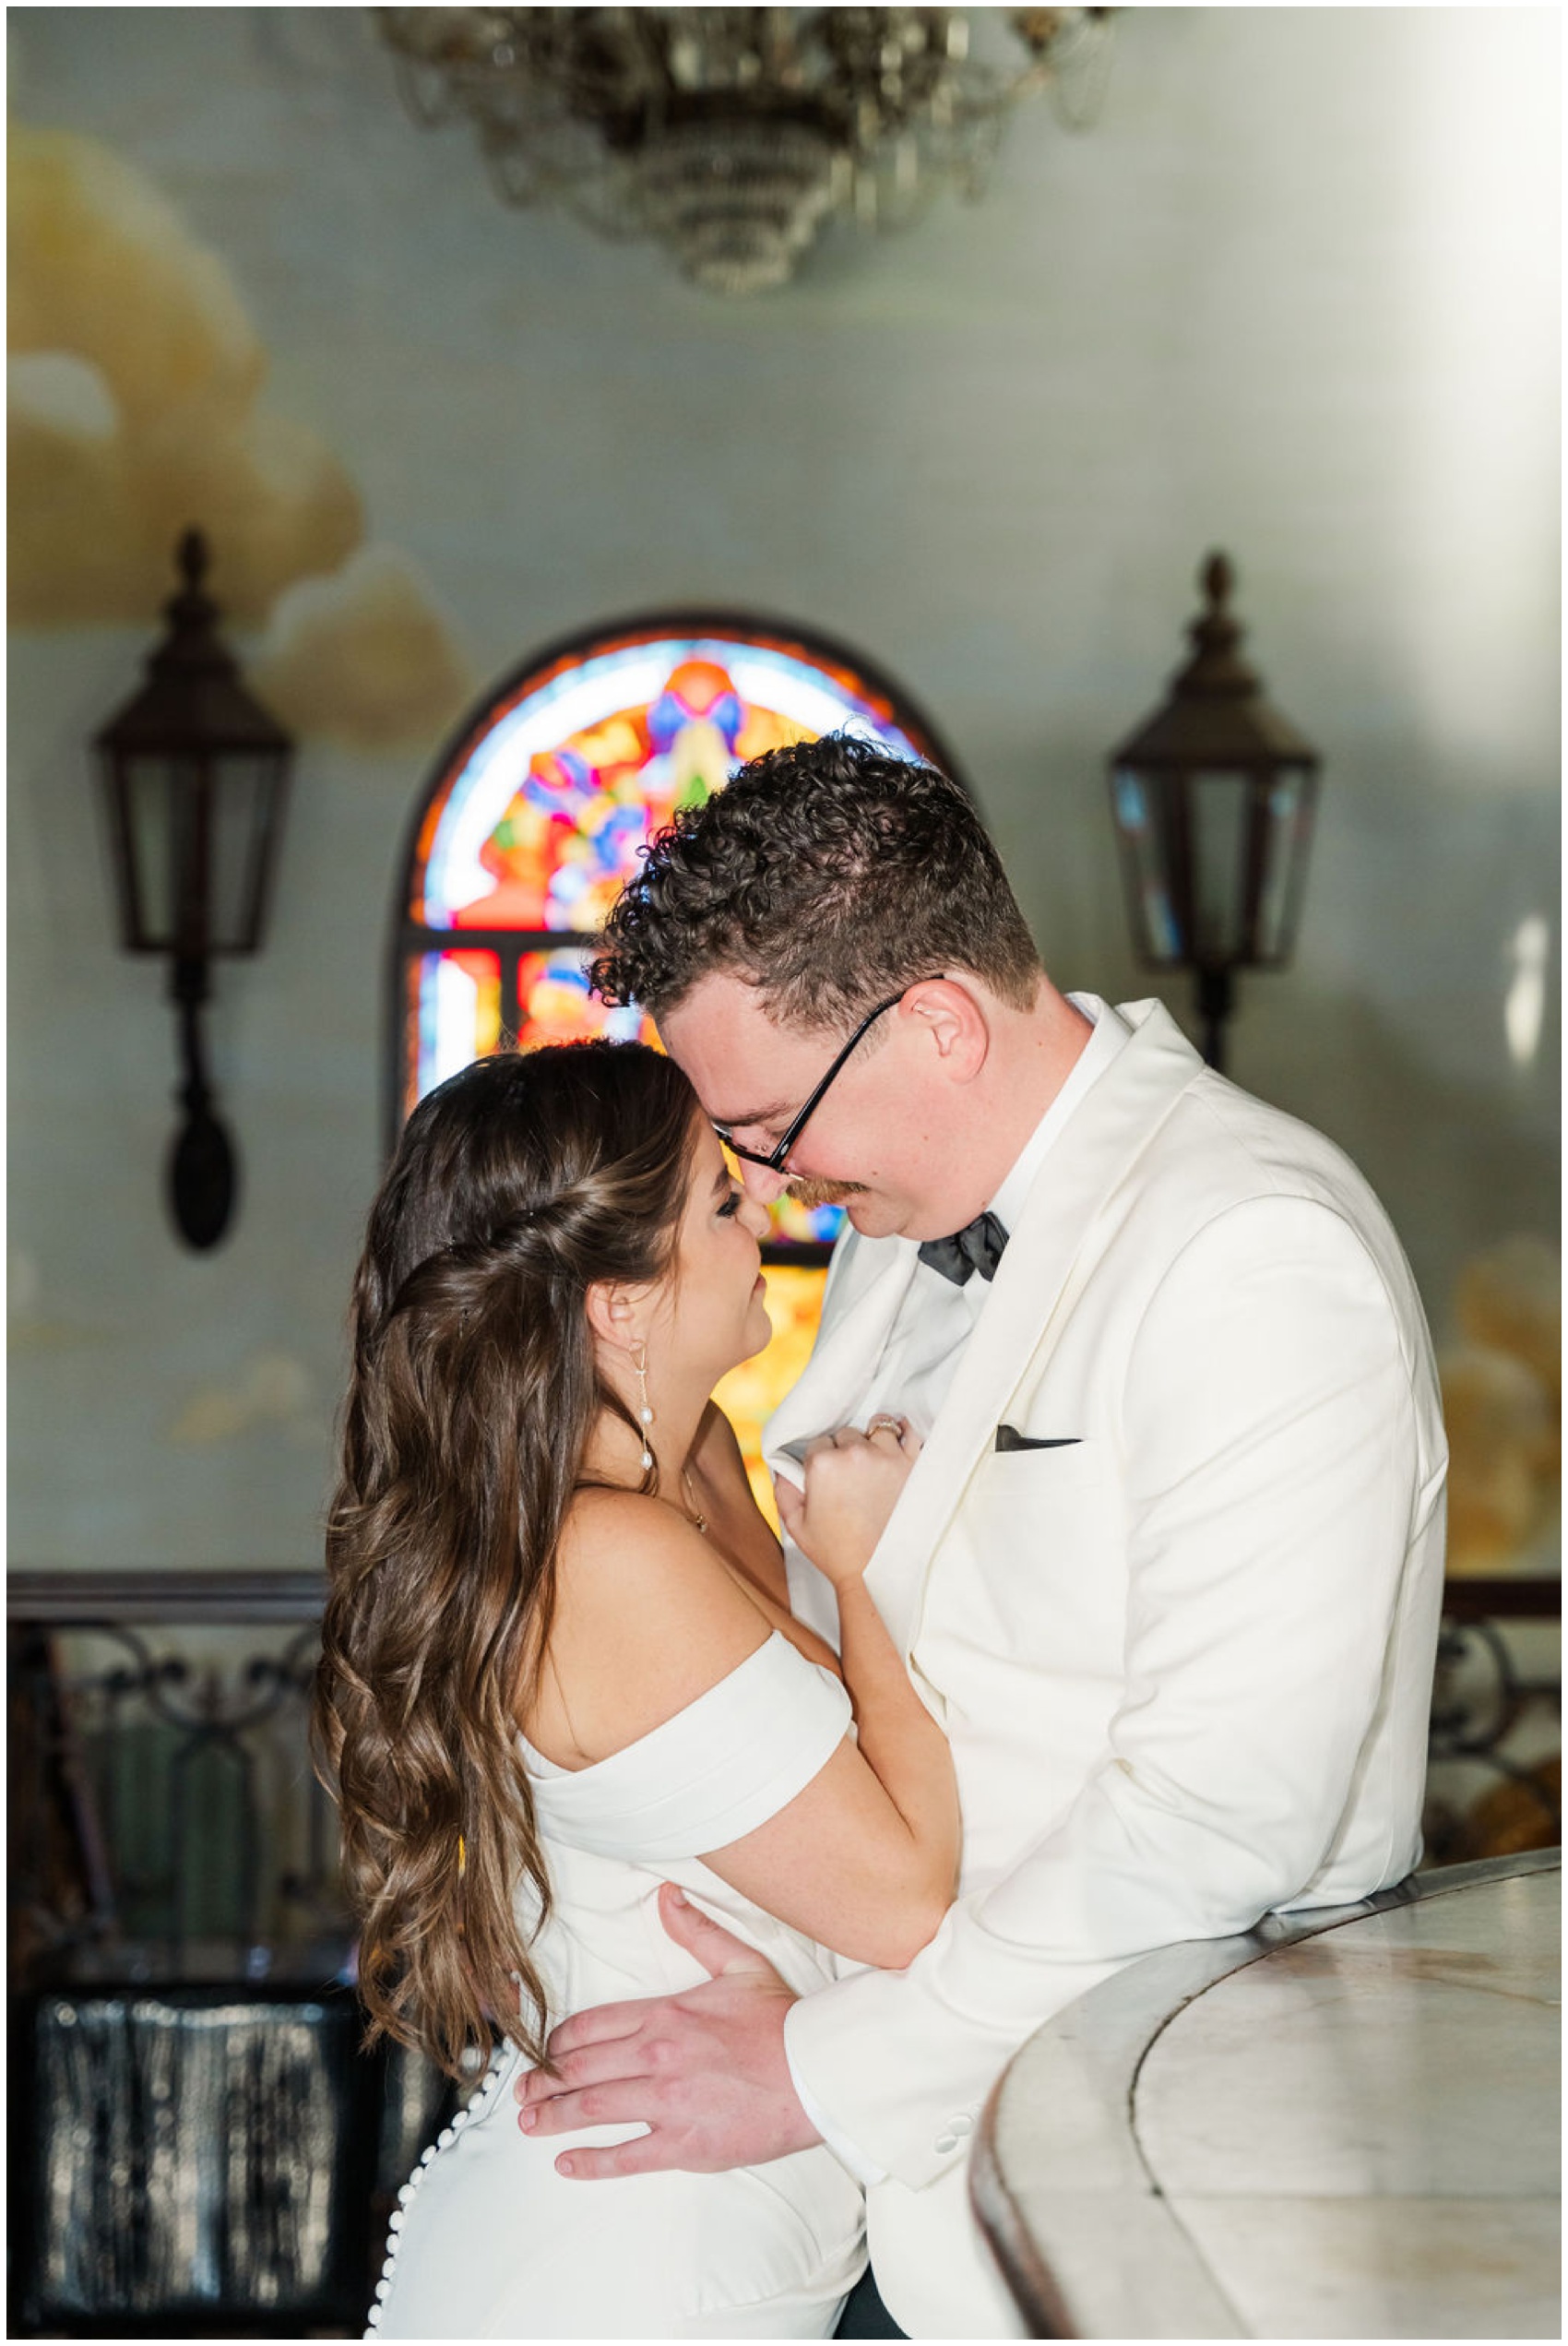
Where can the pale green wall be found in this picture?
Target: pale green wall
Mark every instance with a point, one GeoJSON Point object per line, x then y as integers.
{"type": "Point", "coordinates": [1296, 295]}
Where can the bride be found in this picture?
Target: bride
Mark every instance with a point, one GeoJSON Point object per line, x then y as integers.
{"type": "Point", "coordinates": [562, 1698]}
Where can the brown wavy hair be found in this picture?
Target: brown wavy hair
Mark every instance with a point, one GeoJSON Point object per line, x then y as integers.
{"type": "Point", "coordinates": [472, 1394]}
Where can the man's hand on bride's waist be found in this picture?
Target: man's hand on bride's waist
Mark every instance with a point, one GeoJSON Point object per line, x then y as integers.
{"type": "Point", "coordinates": [705, 2070]}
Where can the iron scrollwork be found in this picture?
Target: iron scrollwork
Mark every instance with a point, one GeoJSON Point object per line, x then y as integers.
{"type": "Point", "coordinates": [173, 1826]}
{"type": "Point", "coordinates": [1481, 1702]}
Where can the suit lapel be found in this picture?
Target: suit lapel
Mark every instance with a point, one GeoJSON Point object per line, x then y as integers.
{"type": "Point", "coordinates": [1096, 1149]}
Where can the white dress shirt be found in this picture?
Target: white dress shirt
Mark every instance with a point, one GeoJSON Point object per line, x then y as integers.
{"type": "Point", "coordinates": [925, 1348]}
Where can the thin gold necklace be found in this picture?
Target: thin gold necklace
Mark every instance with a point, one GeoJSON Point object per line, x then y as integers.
{"type": "Point", "coordinates": [692, 1513]}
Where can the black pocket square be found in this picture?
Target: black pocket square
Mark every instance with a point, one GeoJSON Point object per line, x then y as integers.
{"type": "Point", "coordinates": [1009, 1438]}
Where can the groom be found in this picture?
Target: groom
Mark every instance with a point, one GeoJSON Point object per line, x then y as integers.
{"type": "Point", "coordinates": [1168, 1566]}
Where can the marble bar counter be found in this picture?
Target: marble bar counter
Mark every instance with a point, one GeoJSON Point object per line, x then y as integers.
{"type": "Point", "coordinates": [1344, 2124]}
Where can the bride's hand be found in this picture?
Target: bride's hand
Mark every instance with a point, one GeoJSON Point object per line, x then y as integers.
{"type": "Point", "coordinates": [853, 1482]}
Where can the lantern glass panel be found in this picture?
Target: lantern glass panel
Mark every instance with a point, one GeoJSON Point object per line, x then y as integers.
{"type": "Point", "coordinates": [146, 792]}
{"type": "Point", "coordinates": [165, 827]}
{"type": "Point", "coordinates": [1139, 806]}
{"type": "Point", "coordinates": [194, 834]}
{"type": "Point", "coordinates": [1287, 829]}
{"type": "Point", "coordinates": [244, 792]}
{"type": "Point", "coordinates": [1220, 807]}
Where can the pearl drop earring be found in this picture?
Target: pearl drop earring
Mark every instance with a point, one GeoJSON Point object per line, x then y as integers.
{"type": "Point", "coordinates": [639, 1362]}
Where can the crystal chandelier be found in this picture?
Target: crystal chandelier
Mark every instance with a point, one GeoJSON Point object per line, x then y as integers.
{"type": "Point", "coordinates": [731, 135]}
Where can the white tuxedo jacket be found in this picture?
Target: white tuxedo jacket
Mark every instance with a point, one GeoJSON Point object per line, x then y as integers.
{"type": "Point", "coordinates": [1167, 1571]}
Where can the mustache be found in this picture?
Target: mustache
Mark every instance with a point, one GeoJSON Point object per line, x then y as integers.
{"type": "Point", "coordinates": [824, 1193]}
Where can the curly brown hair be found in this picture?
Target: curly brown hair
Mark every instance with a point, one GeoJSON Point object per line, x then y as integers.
{"type": "Point", "coordinates": [473, 1391]}
{"type": "Point", "coordinates": [827, 874]}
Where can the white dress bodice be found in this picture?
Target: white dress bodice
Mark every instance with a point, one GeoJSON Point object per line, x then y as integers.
{"type": "Point", "coordinates": [488, 2241]}
{"type": "Point", "coordinates": [707, 1777]}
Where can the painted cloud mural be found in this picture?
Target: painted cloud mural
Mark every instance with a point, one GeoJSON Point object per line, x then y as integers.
{"type": "Point", "coordinates": [136, 406]}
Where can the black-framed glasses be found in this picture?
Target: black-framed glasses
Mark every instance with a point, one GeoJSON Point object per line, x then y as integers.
{"type": "Point", "coordinates": [774, 1161]}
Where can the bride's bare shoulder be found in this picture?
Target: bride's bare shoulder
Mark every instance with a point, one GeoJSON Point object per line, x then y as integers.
{"type": "Point", "coordinates": [646, 1619]}
{"type": "Point", "coordinates": [614, 1538]}
{"type": "Point", "coordinates": [610, 1526]}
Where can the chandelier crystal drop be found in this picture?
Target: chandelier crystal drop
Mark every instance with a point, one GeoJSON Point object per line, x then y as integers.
{"type": "Point", "coordinates": [731, 136]}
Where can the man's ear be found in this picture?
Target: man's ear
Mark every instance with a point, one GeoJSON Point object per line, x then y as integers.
{"type": "Point", "coordinates": [957, 1023]}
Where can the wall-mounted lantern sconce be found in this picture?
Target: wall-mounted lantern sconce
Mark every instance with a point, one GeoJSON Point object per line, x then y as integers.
{"type": "Point", "coordinates": [1213, 803]}
{"type": "Point", "coordinates": [196, 774]}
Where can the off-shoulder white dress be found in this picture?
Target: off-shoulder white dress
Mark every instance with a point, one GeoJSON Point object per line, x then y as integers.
{"type": "Point", "coordinates": [488, 2239]}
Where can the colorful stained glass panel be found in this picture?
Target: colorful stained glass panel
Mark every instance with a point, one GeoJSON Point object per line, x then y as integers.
{"type": "Point", "coordinates": [556, 1006]}
{"type": "Point", "coordinates": [455, 1012]}
{"type": "Point", "coordinates": [538, 826]}
{"type": "Point", "coordinates": [457, 1009]}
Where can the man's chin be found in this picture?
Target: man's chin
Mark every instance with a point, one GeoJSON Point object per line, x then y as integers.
{"type": "Point", "coordinates": [871, 1216]}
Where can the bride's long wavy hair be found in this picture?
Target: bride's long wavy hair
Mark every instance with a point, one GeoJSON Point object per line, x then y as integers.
{"type": "Point", "coordinates": [472, 1394]}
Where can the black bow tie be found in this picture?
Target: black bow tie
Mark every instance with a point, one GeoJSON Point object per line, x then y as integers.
{"type": "Point", "coordinates": [978, 1246]}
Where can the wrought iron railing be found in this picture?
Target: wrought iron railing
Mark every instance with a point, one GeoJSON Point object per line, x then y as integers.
{"type": "Point", "coordinates": [166, 1822]}
{"type": "Point", "coordinates": [199, 2145]}
{"type": "Point", "coordinates": [1494, 1753]}
{"type": "Point", "coordinates": [176, 1915]}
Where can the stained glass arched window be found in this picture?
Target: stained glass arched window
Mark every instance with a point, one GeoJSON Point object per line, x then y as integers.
{"type": "Point", "coordinates": [532, 824]}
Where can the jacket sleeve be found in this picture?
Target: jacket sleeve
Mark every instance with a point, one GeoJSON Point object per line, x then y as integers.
{"type": "Point", "coordinates": [1279, 1459]}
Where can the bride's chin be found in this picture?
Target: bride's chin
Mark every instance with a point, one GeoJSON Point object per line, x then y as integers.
{"type": "Point", "coordinates": [757, 1334]}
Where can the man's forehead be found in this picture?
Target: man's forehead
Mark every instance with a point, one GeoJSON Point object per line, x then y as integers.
{"type": "Point", "coordinates": [718, 1013]}
{"type": "Point", "coordinates": [745, 1065]}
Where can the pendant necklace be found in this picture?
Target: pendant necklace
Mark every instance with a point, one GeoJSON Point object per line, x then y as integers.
{"type": "Point", "coordinates": [694, 1515]}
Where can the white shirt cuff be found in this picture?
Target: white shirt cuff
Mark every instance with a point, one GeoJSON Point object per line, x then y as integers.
{"type": "Point", "coordinates": [865, 2170]}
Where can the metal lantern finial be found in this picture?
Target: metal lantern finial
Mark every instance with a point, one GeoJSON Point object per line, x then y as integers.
{"type": "Point", "coordinates": [1213, 801]}
{"type": "Point", "coordinates": [195, 775]}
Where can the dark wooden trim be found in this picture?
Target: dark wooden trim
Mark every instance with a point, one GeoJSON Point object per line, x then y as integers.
{"type": "Point", "coordinates": [415, 939]}
{"type": "Point", "coordinates": [160, 1594]}
{"type": "Point", "coordinates": [1503, 1599]}
{"type": "Point", "coordinates": [71, 1600]}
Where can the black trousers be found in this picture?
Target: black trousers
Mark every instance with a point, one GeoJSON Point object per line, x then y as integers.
{"type": "Point", "coordinates": [865, 2315]}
